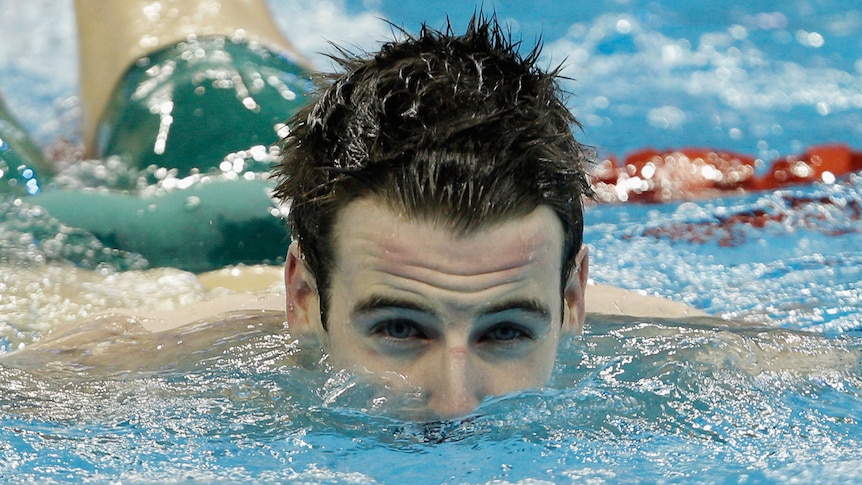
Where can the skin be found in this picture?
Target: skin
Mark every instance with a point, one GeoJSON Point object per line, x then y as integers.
{"type": "Point", "coordinates": [458, 317]}
{"type": "Point", "coordinates": [446, 333]}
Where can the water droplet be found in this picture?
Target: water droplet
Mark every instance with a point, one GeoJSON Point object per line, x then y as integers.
{"type": "Point", "coordinates": [192, 202]}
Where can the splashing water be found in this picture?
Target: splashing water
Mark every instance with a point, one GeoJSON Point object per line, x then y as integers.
{"type": "Point", "coordinates": [774, 399]}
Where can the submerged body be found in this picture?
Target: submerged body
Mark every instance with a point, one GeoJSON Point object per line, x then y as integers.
{"type": "Point", "coordinates": [423, 247]}
{"type": "Point", "coordinates": [95, 329]}
{"type": "Point", "coordinates": [632, 400]}
{"type": "Point", "coordinates": [233, 397]}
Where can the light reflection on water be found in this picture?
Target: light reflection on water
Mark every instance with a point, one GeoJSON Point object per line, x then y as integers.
{"type": "Point", "coordinates": [635, 400]}
{"type": "Point", "coordinates": [801, 269]}
{"type": "Point", "coordinates": [753, 77]}
{"type": "Point", "coordinates": [630, 402]}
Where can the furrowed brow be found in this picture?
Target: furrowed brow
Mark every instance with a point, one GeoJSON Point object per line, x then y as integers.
{"type": "Point", "coordinates": [379, 302]}
{"type": "Point", "coordinates": [534, 307]}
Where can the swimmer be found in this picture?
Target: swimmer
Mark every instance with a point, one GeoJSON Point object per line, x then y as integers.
{"type": "Point", "coordinates": [173, 92]}
{"type": "Point", "coordinates": [184, 75]}
{"type": "Point", "coordinates": [436, 192]}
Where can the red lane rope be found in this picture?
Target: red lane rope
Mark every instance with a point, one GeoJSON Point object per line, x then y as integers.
{"type": "Point", "coordinates": [652, 176]}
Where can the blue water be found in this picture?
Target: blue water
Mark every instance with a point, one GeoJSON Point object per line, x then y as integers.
{"type": "Point", "coordinates": [774, 401]}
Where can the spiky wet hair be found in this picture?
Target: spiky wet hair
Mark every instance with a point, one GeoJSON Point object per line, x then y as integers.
{"type": "Point", "coordinates": [461, 130]}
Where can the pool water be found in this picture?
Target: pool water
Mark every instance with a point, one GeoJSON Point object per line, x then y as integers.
{"type": "Point", "coordinates": [632, 401]}
{"type": "Point", "coordinates": [768, 392]}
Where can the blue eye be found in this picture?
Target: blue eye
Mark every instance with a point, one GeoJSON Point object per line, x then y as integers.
{"type": "Point", "coordinates": [505, 333]}
{"type": "Point", "coordinates": [398, 329]}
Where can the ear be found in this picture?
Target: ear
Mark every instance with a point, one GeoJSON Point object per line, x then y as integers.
{"type": "Point", "coordinates": [574, 293]}
{"type": "Point", "coordinates": [303, 299]}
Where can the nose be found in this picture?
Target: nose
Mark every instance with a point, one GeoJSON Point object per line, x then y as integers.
{"type": "Point", "coordinates": [457, 386]}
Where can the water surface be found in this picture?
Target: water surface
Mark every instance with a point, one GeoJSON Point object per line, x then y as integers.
{"type": "Point", "coordinates": [774, 399]}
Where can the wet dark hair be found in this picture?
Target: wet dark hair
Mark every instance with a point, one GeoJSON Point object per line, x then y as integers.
{"type": "Point", "coordinates": [461, 130]}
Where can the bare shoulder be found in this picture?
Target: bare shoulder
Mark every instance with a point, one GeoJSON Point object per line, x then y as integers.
{"type": "Point", "coordinates": [256, 289]}
{"type": "Point", "coordinates": [601, 299]}
{"type": "Point", "coordinates": [158, 322]}
{"type": "Point", "coordinates": [241, 289]}
{"type": "Point", "coordinates": [246, 302]}
{"type": "Point", "coordinates": [610, 300]}
{"type": "Point", "coordinates": [120, 341]}
{"type": "Point", "coordinates": [250, 289]}
{"type": "Point", "coordinates": [238, 303]}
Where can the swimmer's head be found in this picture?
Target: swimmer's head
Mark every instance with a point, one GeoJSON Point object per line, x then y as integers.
{"type": "Point", "coordinates": [460, 130]}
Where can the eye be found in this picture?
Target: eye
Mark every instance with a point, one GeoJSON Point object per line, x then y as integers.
{"type": "Point", "coordinates": [398, 329]}
{"type": "Point", "coordinates": [505, 333]}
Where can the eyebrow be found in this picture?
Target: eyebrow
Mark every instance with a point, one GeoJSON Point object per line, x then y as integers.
{"type": "Point", "coordinates": [381, 302]}
{"type": "Point", "coordinates": [526, 305]}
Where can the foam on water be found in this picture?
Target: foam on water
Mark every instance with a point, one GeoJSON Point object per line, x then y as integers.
{"type": "Point", "coordinates": [752, 82]}
{"type": "Point", "coordinates": [749, 78]}
{"type": "Point", "coordinates": [631, 401]}
{"type": "Point", "coordinates": [791, 255]}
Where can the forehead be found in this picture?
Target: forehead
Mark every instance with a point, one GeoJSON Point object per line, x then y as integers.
{"type": "Point", "coordinates": [369, 233]}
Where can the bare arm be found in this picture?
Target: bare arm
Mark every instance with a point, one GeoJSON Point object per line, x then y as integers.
{"type": "Point", "coordinates": [601, 299]}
